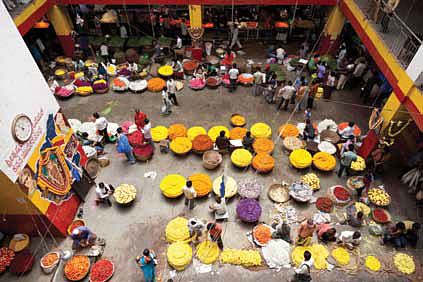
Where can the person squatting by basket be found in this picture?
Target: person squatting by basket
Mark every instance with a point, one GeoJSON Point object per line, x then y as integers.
{"type": "Point", "coordinates": [103, 192]}
{"type": "Point", "coordinates": [282, 231]}
{"type": "Point", "coordinates": [82, 237]}
{"type": "Point", "coordinates": [349, 239]}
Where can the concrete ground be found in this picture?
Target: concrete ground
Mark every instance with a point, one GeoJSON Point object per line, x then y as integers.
{"type": "Point", "coordinates": [129, 230]}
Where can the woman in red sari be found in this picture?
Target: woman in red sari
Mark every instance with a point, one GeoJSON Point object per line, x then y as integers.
{"type": "Point", "coordinates": [228, 58]}
{"type": "Point", "coordinates": [139, 118]}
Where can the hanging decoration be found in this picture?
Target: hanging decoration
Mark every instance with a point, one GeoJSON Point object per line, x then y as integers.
{"type": "Point", "coordinates": [396, 127]}
{"type": "Point", "coordinates": [375, 119]}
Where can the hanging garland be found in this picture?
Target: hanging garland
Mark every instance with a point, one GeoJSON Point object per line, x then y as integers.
{"type": "Point", "coordinates": [399, 127]}
{"type": "Point", "coordinates": [375, 119]}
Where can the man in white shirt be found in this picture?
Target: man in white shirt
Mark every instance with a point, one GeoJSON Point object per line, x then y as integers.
{"type": "Point", "coordinates": [347, 131]}
{"type": "Point", "coordinates": [302, 272]}
{"type": "Point", "coordinates": [259, 79]}
{"type": "Point", "coordinates": [190, 195]}
{"type": "Point", "coordinates": [101, 126]}
{"type": "Point", "coordinates": [147, 130]}
{"type": "Point", "coordinates": [285, 94]}
{"type": "Point", "coordinates": [349, 239]}
{"type": "Point", "coordinates": [219, 208]}
{"type": "Point", "coordinates": [166, 103]}
{"type": "Point", "coordinates": [104, 52]}
{"type": "Point", "coordinates": [280, 55]}
{"type": "Point", "coordinates": [178, 42]}
{"type": "Point", "coordinates": [196, 228]}
{"type": "Point", "coordinates": [171, 89]}
{"type": "Point", "coordinates": [233, 77]}
{"type": "Point", "coordinates": [123, 32]}
{"type": "Point", "coordinates": [103, 192]}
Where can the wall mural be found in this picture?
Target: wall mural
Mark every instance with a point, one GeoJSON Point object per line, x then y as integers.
{"type": "Point", "coordinates": [58, 163]}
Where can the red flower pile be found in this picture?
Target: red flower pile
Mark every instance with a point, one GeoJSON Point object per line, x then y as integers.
{"type": "Point", "coordinates": [380, 215]}
{"type": "Point", "coordinates": [324, 204]}
{"type": "Point", "coordinates": [101, 271]}
{"type": "Point", "coordinates": [341, 193]}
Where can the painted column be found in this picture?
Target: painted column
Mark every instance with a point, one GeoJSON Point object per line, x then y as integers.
{"type": "Point", "coordinates": [195, 18]}
{"type": "Point", "coordinates": [62, 24]}
{"type": "Point", "coordinates": [330, 37]}
{"type": "Point", "coordinates": [390, 109]}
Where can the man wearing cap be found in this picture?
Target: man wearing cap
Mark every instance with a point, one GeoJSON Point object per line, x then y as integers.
{"type": "Point", "coordinates": [82, 237]}
{"type": "Point", "coordinates": [305, 233]}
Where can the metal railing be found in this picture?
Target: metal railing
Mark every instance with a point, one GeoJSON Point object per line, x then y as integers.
{"type": "Point", "coordinates": [396, 34]}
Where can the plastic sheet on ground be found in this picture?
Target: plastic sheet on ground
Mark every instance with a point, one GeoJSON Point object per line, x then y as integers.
{"type": "Point", "coordinates": [277, 254]}
{"type": "Point", "coordinates": [321, 217]}
{"type": "Point", "coordinates": [286, 213]}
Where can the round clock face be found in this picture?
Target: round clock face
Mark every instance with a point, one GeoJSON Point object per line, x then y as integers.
{"type": "Point", "coordinates": [22, 128]}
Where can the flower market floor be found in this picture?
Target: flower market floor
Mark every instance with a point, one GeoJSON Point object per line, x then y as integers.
{"type": "Point", "coordinates": [129, 230]}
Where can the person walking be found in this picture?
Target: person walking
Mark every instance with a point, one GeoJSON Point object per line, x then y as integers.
{"type": "Point", "coordinates": [190, 195]}
{"type": "Point", "coordinates": [171, 88]}
{"type": "Point", "coordinates": [259, 80]}
{"type": "Point", "coordinates": [302, 273]}
{"type": "Point", "coordinates": [104, 52]}
{"type": "Point", "coordinates": [233, 77]}
{"type": "Point", "coordinates": [147, 131]}
{"type": "Point", "coordinates": [329, 86]}
{"type": "Point", "coordinates": [101, 124]}
{"type": "Point", "coordinates": [148, 262]}
{"type": "Point", "coordinates": [285, 94]}
{"type": "Point", "coordinates": [123, 146]}
{"type": "Point", "coordinates": [347, 158]}
{"type": "Point", "coordinates": [166, 103]}
{"type": "Point", "coordinates": [235, 39]}
{"type": "Point", "coordinates": [313, 90]}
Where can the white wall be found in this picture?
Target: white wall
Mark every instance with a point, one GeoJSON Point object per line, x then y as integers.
{"type": "Point", "coordinates": [23, 90]}
{"type": "Point", "coordinates": [415, 68]}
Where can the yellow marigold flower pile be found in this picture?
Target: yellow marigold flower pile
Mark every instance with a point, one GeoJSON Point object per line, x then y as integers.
{"type": "Point", "coordinates": [300, 158]}
{"type": "Point", "coordinates": [263, 145]}
{"type": "Point", "coordinates": [202, 184]}
{"type": "Point", "coordinates": [177, 130]}
{"type": "Point", "coordinates": [324, 161]}
{"type": "Point", "coordinates": [214, 132]}
{"type": "Point", "coordinates": [165, 70]}
{"type": "Point", "coordinates": [238, 120]}
{"type": "Point", "coordinates": [241, 257]}
{"type": "Point", "coordinates": [359, 164]}
{"type": "Point", "coordinates": [261, 130]}
{"type": "Point", "coordinates": [159, 133]}
{"type": "Point", "coordinates": [404, 263]}
{"type": "Point", "coordinates": [359, 206]}
{"type": "Point", "coordinates": [372, 263]}
{"type": "Point", "coordinates": [181, 145]}
{"type": "Point", "coordinates": [177, 230]}
{"type": "Point", "coordinates": [179, 255]}
{"type": "Point", "coordinates": [84, 90]}
{"type": "Point", "coordinates": [172, 185]}
{"type": "Point", "coordinates": [207, 252]}
{"type": "Point", "coordinates": [60, 72]}
{"type": "Point", "coordinates": [195, 131]}
{"type": "Point", "coordinates": [341, 256]}
{"type": "Point", "coordinates": [241, 157]}
{"type": "Point", "coordinates": [319, 253]}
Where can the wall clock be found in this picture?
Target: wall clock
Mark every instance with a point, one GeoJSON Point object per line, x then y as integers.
{"type": "Point", "coordinates": [21, 128]}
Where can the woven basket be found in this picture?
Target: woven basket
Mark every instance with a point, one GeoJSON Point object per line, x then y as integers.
{"type": "Point", "coordinates": [101, 91]}
{"type": "Point", "coordinates": [207, 164]}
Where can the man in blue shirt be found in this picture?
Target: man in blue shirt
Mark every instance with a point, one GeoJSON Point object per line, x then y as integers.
{"type": "Point", "coordinates": [346, 159]}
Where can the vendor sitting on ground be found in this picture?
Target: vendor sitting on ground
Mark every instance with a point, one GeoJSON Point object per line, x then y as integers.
{"type": "Point", "coordinates": [354, 218]}
{"type": "Point", "coordinates": [82, 237]}
{"type": "Point", "coordinates": [349, 239]}
{"type": "Point", "coordinates": [103, 192]}
{"type": "Point", "coordinates": [248, 141]}
{"type": "Point", "coordinates": [305, 233]}
{"type": "Point", "coordinates": [326, 232]}
{"type": "Point", "coordinates": [395, 234]}
{"type": "Point", "coordinates": [309, 132]}
{"type": "Point", "coordinates": [347, 131]}
{"type": "Point", "coordinates": [412, 232]}
{"type": "Point", "coordinates": [222, 142]}
{"type": "Point", "coordinates": [282, 231]}
{"type": "Point", "coordinates": [219, 208]}
{"type": "Point", "coordinates": [196, 228]}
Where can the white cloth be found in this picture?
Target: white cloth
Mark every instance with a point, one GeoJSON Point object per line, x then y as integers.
{"type": "Point", "coordinates": [101, 123]}
{"type": "Point", "coordinates": [171, 86]}
{"type": "Point", "coordinates": [280, 53]}
{"type": "Point", "coordinates": [259, 77]}
{"type": "Point", "coordinates": [331, 81]}
{"type": "Point", "coordinates": [303, 269]}
{"type": "Point", "coordinates": [123, 32]}
{"type": "Point", "coordinates": [104, 50]}
{"type": "Point", "coordinates": [277, 253]}
{"type": "Point", "coordinates": [233, 73]}
{"type": "Point", "coordinates": [147, 130]}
